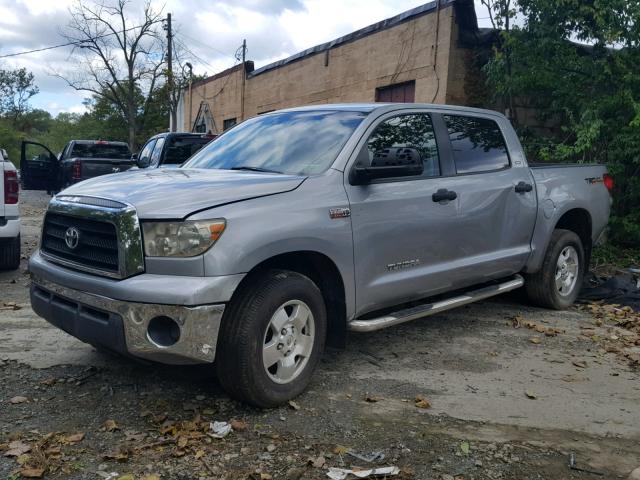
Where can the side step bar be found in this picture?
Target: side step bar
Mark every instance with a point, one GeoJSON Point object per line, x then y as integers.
{"type": "Point", "coordinates": [413, 313]}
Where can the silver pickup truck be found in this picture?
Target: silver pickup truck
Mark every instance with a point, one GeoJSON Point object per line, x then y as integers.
{"type": "Point", "coordinates": [300, 225]}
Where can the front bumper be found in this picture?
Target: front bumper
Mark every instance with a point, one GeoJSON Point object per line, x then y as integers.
{"type": "Point", "coordinates": [122, 325]}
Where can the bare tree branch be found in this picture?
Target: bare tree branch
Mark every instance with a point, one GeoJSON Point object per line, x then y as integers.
{"type": "Point", "coordinates": [119, 58]}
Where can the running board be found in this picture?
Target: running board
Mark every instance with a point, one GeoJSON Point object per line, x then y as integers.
{"type": "Point", "coordinates": [413, 313]}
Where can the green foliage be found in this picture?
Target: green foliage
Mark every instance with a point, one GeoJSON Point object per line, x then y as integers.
{"type": "Point", "coordinates": [16, 88]}
{"type": "Point", "coordinates": [586, 95]}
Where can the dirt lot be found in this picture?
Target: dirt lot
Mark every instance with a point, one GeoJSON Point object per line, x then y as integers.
{"type": "Point", "coordinates": [514, 392]}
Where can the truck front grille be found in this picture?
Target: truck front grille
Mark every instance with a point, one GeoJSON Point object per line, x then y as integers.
{"type": "Point", "coordinates": [96, 245]}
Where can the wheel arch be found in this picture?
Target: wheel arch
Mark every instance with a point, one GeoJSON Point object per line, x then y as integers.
{"type": "Point", "coordinates": [578, 220]}
{"type": "Point", "coordinates": [324, 273]}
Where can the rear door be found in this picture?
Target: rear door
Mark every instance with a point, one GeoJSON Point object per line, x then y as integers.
{"type": "Point", "coordinates": [38, 167]}
{"type": "Point", "coordinates": [496, 202]}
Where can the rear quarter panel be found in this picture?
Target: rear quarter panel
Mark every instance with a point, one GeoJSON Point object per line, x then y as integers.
{"type": "Point", "coordinates": [561, 188]}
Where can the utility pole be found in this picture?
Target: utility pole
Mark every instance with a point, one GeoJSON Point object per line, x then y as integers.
{"type": "Point", "coordinates": [172, 105]}
{"type": "Point", "coordinates": [190, 67]}
{"type": "Point", "coordinates": [244, 78]}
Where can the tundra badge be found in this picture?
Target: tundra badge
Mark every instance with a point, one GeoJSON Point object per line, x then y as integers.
{"type": "Point", "coordinates": [341, 212]}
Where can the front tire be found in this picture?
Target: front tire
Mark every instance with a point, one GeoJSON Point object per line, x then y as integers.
{"type": "Point", "coordinates": [271, 339]}
{"type": "Point", "coordinates": [10, 253]}
{"type": "Point", "coordinates": [557, 284]}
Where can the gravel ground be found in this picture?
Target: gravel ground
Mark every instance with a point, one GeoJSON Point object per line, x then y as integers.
{"type": "Point", "coordinates": [512, 392]}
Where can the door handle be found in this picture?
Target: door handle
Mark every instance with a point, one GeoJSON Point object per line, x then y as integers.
{"type": "Point", "coordinates": [444, 194]}
{"type": "Point", "coordinates": [523, 187]}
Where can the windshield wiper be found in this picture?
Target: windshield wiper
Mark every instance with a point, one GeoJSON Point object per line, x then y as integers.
{"type": "Point", "coordinates": [254, 169]}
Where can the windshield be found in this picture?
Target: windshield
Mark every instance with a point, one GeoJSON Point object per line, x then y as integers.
{"type": "Point", "coordinates": [100, 150]}
{"type": "Point", "coordinates": [296, 143]}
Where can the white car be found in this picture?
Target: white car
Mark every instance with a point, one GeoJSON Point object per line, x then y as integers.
{"type": "Point", "coordinates": [9, 214]}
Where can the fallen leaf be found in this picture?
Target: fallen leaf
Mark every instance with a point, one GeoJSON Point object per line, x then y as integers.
{"type": "Point", "coordinates": [265, 476]}
{"type": "Point", "coordinates": [340, 450]}
{"type": "Point", "coordinates": [271, 448]}
{"type": "Point", "coordinates": [151, 477]}
{"type": "Point", "coordinates": [422, 402]}
{"type": "Point", "coordinates": [182, 441]}
{"type": "Point", "coordinates": [132, 436]}
{"type": "Point", "coordinates": [32, 472]}
{"type": "Point", "coordinates": [128, 476]}
{"type": "Point", "coordinates": [580, 363]}
{"type": "Point", "coordinates": [23, 459]}
{"type": "Point", "coordinates": [238, 425]}
{"type": "Point", "coordinates": [371, 399]}
{"type": "Point", "coordinates": [317, 462]}
{"type": "Point", "coordinates": [73, 438]}
{"type": "Point", "coordinates": [199, 454]}
{"type": "Point", "coordinates": [535, 340]}
{"type": "Point", "coordinates": [465, 447]}
{"type": "Point", "coordinates": [117, 456]}
{"type": "Point", "coordinates": [110, 426]}
{"type": "Point", "coordinates": [18, 399]}
{"type": "Point", "coordinates": [17, 448]}
{"type": "Point", "coordinates": [530, 395]}
{"type": "Point", "coordinates": [294, 405]}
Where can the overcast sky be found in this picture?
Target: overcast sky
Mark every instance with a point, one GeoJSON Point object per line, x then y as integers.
{"type": "Point", "coordinates": [211, 30]}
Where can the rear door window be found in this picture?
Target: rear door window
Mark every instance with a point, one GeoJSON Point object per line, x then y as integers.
{"type": "Point", "coordinates": [477, 144]}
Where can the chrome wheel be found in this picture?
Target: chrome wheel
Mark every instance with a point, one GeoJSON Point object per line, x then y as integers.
{"type": "Point", "coordinates": [567, 271]}
{"type": "Point", "coordinates": [288, 341]}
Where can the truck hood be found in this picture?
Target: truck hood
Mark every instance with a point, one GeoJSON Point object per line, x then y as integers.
{"type": "Point", "coordinates": [177, 193]}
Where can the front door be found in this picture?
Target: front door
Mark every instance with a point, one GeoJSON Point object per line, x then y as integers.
{"type": "Point", "coordinates": [38, 167]}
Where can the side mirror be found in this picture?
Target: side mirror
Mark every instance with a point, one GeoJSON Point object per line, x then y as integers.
{"type": "Point", "coordinates": [388, 163]}
{"type": "Point", "coordinates": [143, 162]}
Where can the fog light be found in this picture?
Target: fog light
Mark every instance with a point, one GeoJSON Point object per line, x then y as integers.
{"type": "Point", "coordinates": [163, 331]}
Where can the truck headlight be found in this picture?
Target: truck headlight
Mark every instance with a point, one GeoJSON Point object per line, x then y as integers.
{"type": "Point", "coordinates": [180, 239]}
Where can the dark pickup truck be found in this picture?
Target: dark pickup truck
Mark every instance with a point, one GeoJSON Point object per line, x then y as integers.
{"type": "Point", "coordinates": [79, 160]}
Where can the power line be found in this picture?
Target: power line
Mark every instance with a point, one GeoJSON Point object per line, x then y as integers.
{"type": "Point", "coordinates": [205, 45]}
{"type": "Point", "coordinates": [77, 43]}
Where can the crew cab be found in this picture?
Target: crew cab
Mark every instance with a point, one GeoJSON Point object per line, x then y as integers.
{"type": "Point", "coordinates": [170, 150]}
{"type": "Point", "coordinates": [9, 214]}
{"type": "Point", "coordinates": [300, 225]}
{"type": "Point", "coordinates": [41, 169]}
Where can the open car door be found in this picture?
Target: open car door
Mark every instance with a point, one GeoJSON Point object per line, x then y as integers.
{"type": "Point", "coordinates": [38, 167]}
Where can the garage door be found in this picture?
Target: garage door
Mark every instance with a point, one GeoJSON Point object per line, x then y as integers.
{"type": "Point", "coordinates": [400, 92]}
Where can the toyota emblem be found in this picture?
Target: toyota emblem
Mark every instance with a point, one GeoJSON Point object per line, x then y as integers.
{"type": "Point", "coordinates": [72, 237]}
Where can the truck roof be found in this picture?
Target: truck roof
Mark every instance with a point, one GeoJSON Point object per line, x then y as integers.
{"type": "Point", "coordinates": [370, 107]}
{"type": "Point", "coordinates": [93, 142]}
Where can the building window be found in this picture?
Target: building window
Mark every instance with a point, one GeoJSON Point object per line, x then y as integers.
{"type": "Point", "coordinates": [399, 92]}
{"type": "Point", "coordinates": [228, 123]}
{"type": "Point", "coordinates": [477, 144]}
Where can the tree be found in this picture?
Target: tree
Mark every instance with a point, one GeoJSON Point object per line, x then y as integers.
{"type": "Point", "coordinates": [120, 60]}
{"type": "Point", "coordinates": [577, 64]}
{"type": "Point", "coordinates": [16, 89]}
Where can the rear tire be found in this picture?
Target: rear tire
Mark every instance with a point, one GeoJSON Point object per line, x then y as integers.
{"type": "Point", "coordinates": [557, 284]}
{"type": "Point", "coordinates": [271, 338]}
{"type": "Point", "coordinates": [10, 253]}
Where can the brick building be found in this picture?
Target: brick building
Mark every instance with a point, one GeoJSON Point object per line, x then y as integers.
{"type": "Point", "coordinates": [422, 55]}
